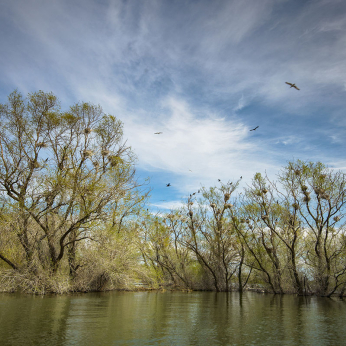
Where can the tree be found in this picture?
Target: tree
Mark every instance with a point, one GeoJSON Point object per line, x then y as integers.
{"type": "Point", "coordinates": [63, 174]}
{"type": "Point", "coordinates": [294, 228]}
{"type": "Point", "coordinates": [209, 235]}
{"type": "Point", "coordinates": [318, 195]}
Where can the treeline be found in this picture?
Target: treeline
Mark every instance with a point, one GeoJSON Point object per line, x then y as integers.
{"type": "Point", "coordinates": [73, 216]}
{"type": "Point", "coordinates": [283, 237]}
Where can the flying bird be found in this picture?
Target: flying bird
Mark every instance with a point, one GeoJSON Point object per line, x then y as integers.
{"type": "Point", "coordinates": [157, 133]}
{"type": "Point", "coordinates": [292, 85]}
{"type": "Point", "coordinates": [255, 128]}
{"type": "Point", "coordinates": [169, 184]}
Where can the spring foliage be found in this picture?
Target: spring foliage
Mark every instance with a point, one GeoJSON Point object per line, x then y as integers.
{"type": "Point", "coordinates": [73, 216]}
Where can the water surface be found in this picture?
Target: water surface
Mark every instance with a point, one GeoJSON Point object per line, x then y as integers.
{"type": "Point", "coordinates": [171, 318]}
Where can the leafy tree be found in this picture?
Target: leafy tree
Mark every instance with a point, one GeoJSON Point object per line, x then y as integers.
{"type": "Point", "coordinates": [64, 175]}
{"type": "Point", "coordinates": [318, 196]}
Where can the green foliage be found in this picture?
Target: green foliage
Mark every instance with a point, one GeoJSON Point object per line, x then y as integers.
{"type": "Point", "coordinates": [73, 217]}
{"type": "Point", "coordinates": [59, 185]}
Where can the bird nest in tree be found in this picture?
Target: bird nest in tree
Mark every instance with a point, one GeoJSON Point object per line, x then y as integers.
{"type": "Point", "coordinates": [105, 152]}
{"type": "Point", "coordinates": [96, 164]}
{"type": "Point", "coordinates": [227, 196]}
{"type": "Point", "coordinates": [88, 153]}
{"type": "Point", "coordinates": [304, 188]}
{"type": "Point", "coordinates": [336, 218]}
{"type": "Point", "coordinates": [190, 203]}
{"type": "Point", "coordinates": [306, 199]}
{"type": "Point", "coordinates": [41, 145]}
{"type": "Point", "coordinates": [87, 130]}
{"type": "Point", "coordinates": [114, 160]}
{"type": "Point", "coordinates": [325, 196]}
{"type": "Point", "coordinates": [190, 212]}
{"type": "Point", "coordinates": [228, 206]}
{"type": "Point", "coordinates": [297, 172]}
{"type": "Point", "coordinates": [295, 206]}
{"type": "Point", "coordinates": [265, 217]}
{"type": "Point", "coordinates": [213, 205]}
{"type": "Point", "coordinates": [318, 191]}
{"type": "Point", "coordinates": [264, 191]}
{"type": "Point", "coordinates": [35, 165]}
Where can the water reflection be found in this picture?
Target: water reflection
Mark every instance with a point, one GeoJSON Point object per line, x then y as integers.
{"type": "Point", "coordinates": [171, 318]}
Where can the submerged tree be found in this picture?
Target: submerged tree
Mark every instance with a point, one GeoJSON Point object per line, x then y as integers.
{"type": "Point", "coordinates": [318, 196]}
{"type": "Point", "coordinates": [295, 229]}
{"type": "Point", "coordinates": [64, 175]}
{"type": "Point", "coordinates": [70, 205]}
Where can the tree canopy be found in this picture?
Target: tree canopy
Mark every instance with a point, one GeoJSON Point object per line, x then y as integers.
{"type": "Point", "coordinates": [73, 215]}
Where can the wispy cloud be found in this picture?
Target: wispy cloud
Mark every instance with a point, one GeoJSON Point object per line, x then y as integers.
{"type": "Point", "coordinates": [203, 73]}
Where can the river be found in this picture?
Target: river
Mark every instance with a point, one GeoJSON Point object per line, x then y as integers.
{"type": "Point", "coordinates": [171, 318]}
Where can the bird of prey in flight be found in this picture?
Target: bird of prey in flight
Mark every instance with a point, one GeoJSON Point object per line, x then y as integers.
{"type": "Point", "coordinates": [255, 128]}
{"type": "Point", "coordinates": [292, 85]}
{"type": "Point", "coordinates": [157, 133]}
{"type": "Point", "coordinates": [169, 184]}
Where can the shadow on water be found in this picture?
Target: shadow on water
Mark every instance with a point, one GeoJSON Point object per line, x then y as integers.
{"type": "Point", "coordinates": [171, 318]}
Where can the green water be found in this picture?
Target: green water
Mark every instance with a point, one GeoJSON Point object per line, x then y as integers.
{"type": "Point", "coordinates": [171, 318]}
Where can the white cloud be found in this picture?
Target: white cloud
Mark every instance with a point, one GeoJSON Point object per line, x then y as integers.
{"type": "Point", "coordinates": [288, 140]}
{"type": "Point", "coordinates": [211, 147]}
{"type": "Point", "coordinates": [171, 205]}
{"type": "Point", "coordinates": [186, 69]}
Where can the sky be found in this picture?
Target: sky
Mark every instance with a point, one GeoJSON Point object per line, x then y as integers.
{"type": "Point", "coordinates": [204, 73]}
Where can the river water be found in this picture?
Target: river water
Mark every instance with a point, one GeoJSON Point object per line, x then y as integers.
{"type": "Point", "coordinates": [171, 318]}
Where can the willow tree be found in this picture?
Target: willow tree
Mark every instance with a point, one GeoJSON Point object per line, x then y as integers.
{"type": "Point", "coordinates": [271, 235]}
{"type": "Point", "coordinates": [318, 196]}
{"type": "Point", "coordinates": [209, 235]}
{"type": "Point", "coordinates": [62, 174]}
{"type": "Point", "coordinates": [295, 228]}
{"type": "Point", "coordinates": [161, 243]}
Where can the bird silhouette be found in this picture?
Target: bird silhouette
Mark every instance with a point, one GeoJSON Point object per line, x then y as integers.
{"type": "Point", "coordinates": [255, 128]}
{"type": "Point", "coordinates": [292, 85]}
{"type": "Point", "coordinates": [157, 133]}
{"type": "Point", "coordinates": [169, 184]}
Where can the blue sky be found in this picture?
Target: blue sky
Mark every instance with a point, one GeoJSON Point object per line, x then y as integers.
{"type": "Point", "coordinates": [202, 72]}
